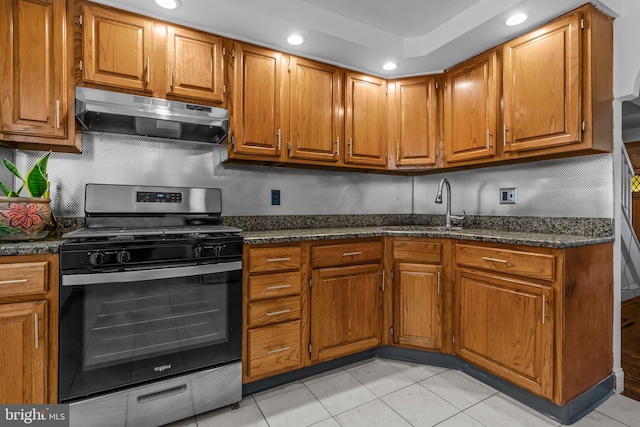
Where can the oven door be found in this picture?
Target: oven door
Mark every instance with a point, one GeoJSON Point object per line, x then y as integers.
{"type": "Point", "coordinates": [123, 328]}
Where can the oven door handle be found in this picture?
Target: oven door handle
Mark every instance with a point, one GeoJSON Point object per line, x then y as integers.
{"type": "Point", "coordinates": [142, 275]}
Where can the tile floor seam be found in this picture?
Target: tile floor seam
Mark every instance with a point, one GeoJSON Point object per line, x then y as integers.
{"type": "Point", "coordinates": [455, 415]}
{"type": "Point", "coordinates": [255, 402]}
{"type": "Point", "coordinates": [610, 417]}
{"type": "Point", "coordinates": [320, 402]}
{"type": "Point", "coordinates": [399, 414]}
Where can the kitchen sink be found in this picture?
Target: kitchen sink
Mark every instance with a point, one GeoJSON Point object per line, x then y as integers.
{"type": "Point", "coordinates": [418, 228]}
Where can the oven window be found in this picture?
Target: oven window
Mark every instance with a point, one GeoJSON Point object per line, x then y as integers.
{"type": "Point", "coordinates": [118, 334]}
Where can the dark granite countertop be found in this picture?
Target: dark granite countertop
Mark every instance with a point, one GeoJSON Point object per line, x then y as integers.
{"type": "Point", "coordinates": [530, 231]}
{"type": "Point", "coordinates": [482, 235]}
{"type": "Point", "coordinates": [49, 245]}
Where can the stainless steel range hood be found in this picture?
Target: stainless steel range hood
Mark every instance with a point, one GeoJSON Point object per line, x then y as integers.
{"type": "Point", "coordinates": [106, 111]}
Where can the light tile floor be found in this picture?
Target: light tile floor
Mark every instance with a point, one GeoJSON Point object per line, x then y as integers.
{"type": "Point", "coordinates": [388, 393]}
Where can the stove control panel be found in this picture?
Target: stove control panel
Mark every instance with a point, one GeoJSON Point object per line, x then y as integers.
{"type": "Point", "coordinates": [155, 197]}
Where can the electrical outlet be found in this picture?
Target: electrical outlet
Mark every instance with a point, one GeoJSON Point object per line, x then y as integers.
{"type": "Point", "coordinates": [275, 197]}
{"type": "Point", "coordinates": [508, 196]}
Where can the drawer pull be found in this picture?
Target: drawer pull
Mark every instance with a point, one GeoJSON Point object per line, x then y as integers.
{"type": "Point", "coordinates": [275, 313]}
{"type": "Point", "coordinates": [11, 282]}
{"type": "Point", "coordinates": [278, 350]}
{"type": "Point", "coordinates": [270, 288]}
{"type": "Point", "coordinates": [438, 283]}
{"type": "Point", "coordinates": [544, 308]}
{"type": "Point", "coordinates": [351, 253]}
{"type": "Point", "coordinates": [494, 259]}
{"type": "Point", "coordinates": [278, 259]}
{"type": "Point", "coordinates": [36, 327]}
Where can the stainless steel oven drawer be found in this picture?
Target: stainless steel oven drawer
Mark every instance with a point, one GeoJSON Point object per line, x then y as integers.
{"type": "Point", "coordinates": [162, 402]}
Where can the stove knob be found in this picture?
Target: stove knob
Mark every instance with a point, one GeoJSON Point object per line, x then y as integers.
{"type": "Point", "coordinates": [197, 252]}
{"type": "Point", "coordinates": [96, 258]}
{"type": "Point", "coordinates": [123, 257]}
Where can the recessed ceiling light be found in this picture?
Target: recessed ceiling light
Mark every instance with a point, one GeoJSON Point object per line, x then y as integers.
{"type": "Point", "coordinates": [389, 66]}
{"type": "Point", "coordinates": [517, 19]}
{"type": "Point", "coordinates": [295, 39]}
{"type": "Point", "coordinates": [169, 4]}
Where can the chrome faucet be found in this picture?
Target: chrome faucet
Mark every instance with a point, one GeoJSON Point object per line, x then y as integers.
{"type": "Point", "coordinates": [448, 216]}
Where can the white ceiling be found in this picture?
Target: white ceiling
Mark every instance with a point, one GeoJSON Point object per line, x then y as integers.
{"type": "Point", "coordinates": [421, 36]}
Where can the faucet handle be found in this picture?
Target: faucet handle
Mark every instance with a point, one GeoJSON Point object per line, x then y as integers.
{"type": "Point", "coordinates": [457, 219]}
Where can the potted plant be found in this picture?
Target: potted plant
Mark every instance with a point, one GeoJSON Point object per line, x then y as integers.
{"type": "Point", "coordinates": [24, 218]}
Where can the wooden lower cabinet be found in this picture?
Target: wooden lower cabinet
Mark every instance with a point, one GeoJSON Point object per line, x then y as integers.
{"type": "Point", "coordinates": [275, 310]}
{"type": "Point", "coordinates": [28, 329]}
{"type": "Point", "coordinates": [345, 310]}
{"type": "Point", "coordinates": [540, 318]}
{"type": "Point", "coordinates": [417, 307]}
{"type": "Point", "coordinates": [23, 359]}
{"type": "Point", "coordinates": [506, 327]}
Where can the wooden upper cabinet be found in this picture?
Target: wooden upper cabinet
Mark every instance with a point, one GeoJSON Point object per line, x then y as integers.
{"type": "Point", "coordinates": [33, 58]}
{"type": "Point", "coordinates": [542, 86]}
{"type": "Point", "coordinates": [471, 106]}
{"type": "Point", "coordinates": [117, 48]}
{"type": "Point", "coordinates": [316, 102]}
{"type": "Point", "coordinates": [365, 120]}
{"type": "Point", "coordinates": [23, 360]}
{"type": "Point", "coordinates": [195, 64]}
{"type": "Point", "coordinates": [258, 112]}
{"type": "Point", "coordinates": [413, 119]}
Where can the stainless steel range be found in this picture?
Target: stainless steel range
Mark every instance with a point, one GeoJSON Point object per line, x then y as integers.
{"type": "Point", "coordinates": [150, 307]}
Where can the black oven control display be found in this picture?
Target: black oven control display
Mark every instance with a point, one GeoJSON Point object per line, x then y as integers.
{"type": "Point", "coordinates": [153, 197]}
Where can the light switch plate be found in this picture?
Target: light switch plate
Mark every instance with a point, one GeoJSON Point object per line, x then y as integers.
{"type": "Point", "coordinates": [508, 196]}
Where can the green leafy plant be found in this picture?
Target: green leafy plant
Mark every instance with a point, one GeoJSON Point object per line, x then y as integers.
{"type": "Point", "coordinates": [35, 180]}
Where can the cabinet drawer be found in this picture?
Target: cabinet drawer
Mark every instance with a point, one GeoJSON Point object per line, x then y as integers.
{"type": "Point", "coordinates": [528, 264]}
{"type": "Point", "coordinates": [274, 285]}
{"type": "Point", "coordinates": [346, 253]}
{"type": "Point", "coordinates": [23, 278]}
{"type": "Point", "coordinates": [275, 259]}
{"type": "Point", "coordinates": [273, 311]}
{"type": "Point", "coordinates": [418, 251]}
{"type": "Point", "coordinates": [274, 348]}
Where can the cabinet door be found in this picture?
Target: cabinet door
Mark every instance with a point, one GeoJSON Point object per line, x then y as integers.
{"type": "Point", "coordinates": [542, 87]}
{"type": "Point", "coordinates": [195, 64]}
{"type": "Point", "coordinates": [418, 305]}
{"type": "Point", "coordinates": [365, 120]}
{"type": "Point", "coordinates": [415, 122]}
{"type": "Point", "coordinates": [258, 108]}
{"type": "Point", "coordinates": [345, 310]}
{"type": "Point", "coordinates": [470, 109]}
{"type": "Point", "coordinates": [116, 48]}
{"type": "Point", "coordinates": [34, 79]}
{"type": "Point", "coordinates": [505, 327]}
{"type": "Point", "coordinates": [23, 369]}
{"type": "Point", "coordinates": [315, 111]}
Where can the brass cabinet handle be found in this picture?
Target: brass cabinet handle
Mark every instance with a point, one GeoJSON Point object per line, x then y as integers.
{"type": "Point", "coordinates": [494, 259]}
{"type": "Point", "coordinates": [36, 333]}
{"type": "Point", "coordinates": [148, 69]}
{"type": "Point", "coordinates": [170, 74]}
{"type": "Point", "coordinates": [504, 135]}
{"type": "Point", "coordinates": [270, 288]}
{"type": "Point", "coordinates": [351, 253]}
{"type": "Point", "coordinates": [488, 139]}
{"type": "Point", "coordinates": [278, 350]}
{"type": "Point", "coordinates": [397, 153]}
{"type": "Point", "coordinates": [278, 259]}
{"type": "Point", "coordinates": [544, 308]}
{"type": "Point", "coordinates": [57, 114]}
{"type": "Point", "coordinates": [275, 313]}
{"type": "Point", "coordinates": [11, 282]}
{"type": "Point", "coordinates": [438, 283]}
{"type": "Point", "coordinates": [278, 135]}
{"type": "Point", "coordinates": [350, 147]}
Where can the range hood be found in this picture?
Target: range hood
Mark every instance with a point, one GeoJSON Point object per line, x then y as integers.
{"type": "Point", "coordinates": [106, 111]}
